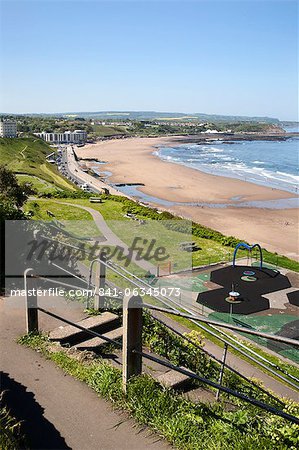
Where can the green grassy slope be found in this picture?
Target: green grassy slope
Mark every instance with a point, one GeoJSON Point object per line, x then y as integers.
{"type": "Point", "coordinates": [28, 156]}
{"type": "Point", "coordinates": [112, 211]}
{"type": "Point", "coordinates": [104, 130]}
{"type": "Point", "coordinates": [75, 220]}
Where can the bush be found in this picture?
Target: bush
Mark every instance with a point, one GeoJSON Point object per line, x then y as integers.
{"type": "Point", "coordinates": [66, 194]}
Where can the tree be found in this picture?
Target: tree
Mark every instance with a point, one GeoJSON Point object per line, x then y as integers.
{"type": "Point", "coordinates": [12, 197]}
{"type": "Point", "coordinates": [11, 191]}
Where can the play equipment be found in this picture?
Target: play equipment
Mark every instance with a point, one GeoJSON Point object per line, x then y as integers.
{"type": "Point", "coordinates": [248, 278]}
{"type": "Point", "coordinates": [249, 273]}
{"type": "Point", "coordinates": [249, 248]}
{"type": "Point", "coordinates": [233, 297]}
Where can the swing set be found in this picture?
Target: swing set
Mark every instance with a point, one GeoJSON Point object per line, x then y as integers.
{"type": "Point", "coordinates": [249, 253]}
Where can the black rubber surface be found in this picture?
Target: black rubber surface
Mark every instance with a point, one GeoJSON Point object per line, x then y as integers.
{"type": "Point", "coordinates": [293, 298]}
{"type": "Point", "coordinates": [267, 280]}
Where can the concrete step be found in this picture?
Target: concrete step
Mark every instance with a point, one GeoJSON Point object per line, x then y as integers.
{"type": "Point", "coordinates": [173, 379]}
{"type": "Point", "coordinates": [96, 343]}
{"type": "Point", "coordinates": [201, 394]}
{"type": "Point", "coordinates": [72, 335]}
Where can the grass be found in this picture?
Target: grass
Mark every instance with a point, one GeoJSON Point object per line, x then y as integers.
{"type": "Point", "coordinates": [213, 246]}
{"type": "Point", "coordinates": [186, 425]}
{"type": "Point", "coordinates": [109, 209]}
{"type": "Point", "coordinates": [28, 156]}
{"type": "Point", "coordinates": [61, 211]}
{"type": "Point", "coordinates": [49, 171]}
{"type": "Point", "coordinates": [75, 220]}
{"type": "Point", "coordinates": [10, 437]}
{"type": "Point", "coordinates": [39, 185]}
{"type": "Point", "coordinates": [106, 131]}
{"type": "Point", "coordinates": [210, 251]}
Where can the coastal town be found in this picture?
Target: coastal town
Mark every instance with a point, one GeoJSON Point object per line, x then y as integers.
{"type": "Point", "coordinates": [94, 183]}
{"type": "Point", "coordinates": [149, 245]}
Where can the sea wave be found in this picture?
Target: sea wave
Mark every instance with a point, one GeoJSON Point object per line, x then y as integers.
{"type": "Point", "coordinates": [262, 162]}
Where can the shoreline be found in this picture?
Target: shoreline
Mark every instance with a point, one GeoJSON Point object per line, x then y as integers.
{"type": "Point", "coordinates": [132, 160]}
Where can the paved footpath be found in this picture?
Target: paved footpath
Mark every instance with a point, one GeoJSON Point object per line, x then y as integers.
{"type": "Point", "coordinates": [59, 411]}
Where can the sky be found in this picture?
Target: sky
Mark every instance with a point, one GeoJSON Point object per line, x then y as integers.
{"type": "Point", "coordinates": [216, 57]}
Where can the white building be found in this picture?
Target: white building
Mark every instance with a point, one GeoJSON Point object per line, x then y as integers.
{"type": "Point", "coordinates": [8, 128]}
{"type": "Point", "coordinates": [74, 137]}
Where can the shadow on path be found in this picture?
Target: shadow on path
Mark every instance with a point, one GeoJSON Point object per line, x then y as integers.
{"type": "Point", "coordinates": [39, 432]}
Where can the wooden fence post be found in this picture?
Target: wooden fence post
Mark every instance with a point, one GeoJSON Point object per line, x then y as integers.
{"type": "Point", "coordinates": [132, 338]}
{"type": "Point", "coordinates": [31, 301]}
{"type": "Point", "coordinates": [100, 282]}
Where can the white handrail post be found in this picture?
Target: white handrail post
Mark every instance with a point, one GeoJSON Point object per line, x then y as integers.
{"type": "Point", "coordinates": [100, 282]}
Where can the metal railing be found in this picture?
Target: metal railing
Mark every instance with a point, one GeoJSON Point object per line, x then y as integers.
{"type": "Point", "coordinates": [222, 362]}
{"type": "Point", "coordinates": [32, 309]}
{"type": "Point", "coordinates": [225, 325]}
{"type": "Point", "coordinates": [213, 330]}
{"type": "Point", "coordinates": [221, 388]}
{"type": "Point", "coordinates": [132, 343]}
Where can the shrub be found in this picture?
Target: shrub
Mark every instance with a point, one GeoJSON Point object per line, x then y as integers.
{"type": "Point", "coordinates": [66, 194]}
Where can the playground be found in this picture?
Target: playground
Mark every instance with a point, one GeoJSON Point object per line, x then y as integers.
{"type": "Point", "coordinates": [248, 293]}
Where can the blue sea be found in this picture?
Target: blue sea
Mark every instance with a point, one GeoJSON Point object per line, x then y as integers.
{"type": "Point", "coordinates": [270, 163]}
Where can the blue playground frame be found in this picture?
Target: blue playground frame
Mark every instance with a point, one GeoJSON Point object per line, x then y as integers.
{"type": "Point", "coordinates": [248, 247]}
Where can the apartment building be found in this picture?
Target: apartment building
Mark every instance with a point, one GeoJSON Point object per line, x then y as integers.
{"type": "Point", "coordinates": [8, 128]}
{"type": "Point", "coordinates": [72, 137]}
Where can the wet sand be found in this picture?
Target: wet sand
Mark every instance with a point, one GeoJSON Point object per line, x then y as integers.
{"type": "Point", "coordinates": [133, 161]}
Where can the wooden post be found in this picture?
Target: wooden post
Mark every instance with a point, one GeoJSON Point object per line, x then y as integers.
{"type": "Point", "coordinates": [31, 301]}
{"type": "Point", "coordinates": [222, 369]}
{"type": "Point", "coordinates": [100, 282]}
{"type": "Point", "coordinates": [132, 338]}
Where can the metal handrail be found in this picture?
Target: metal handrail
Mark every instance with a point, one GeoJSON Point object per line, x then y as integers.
{"type": "Point", "coordinates": [167, 311]}
{"type": "Point", "coordinates": [226, 336]}
{"type": "Point", "coordinates": [225, 325]}
{"type": "Point", "coordinates": [59, 282]}
{"type": "Point", "coordinates": [210, 331]}
{"type": "Point", "coordinates": [109, 265]}
{"type": "Point", "coordinates": [68, 271]}
{"type": "Point", "coordinates": [186, 338]}
{"type": "Point", "coordinates": [169, 365]}
{"type": "Point", "coordinates": [190, 374]}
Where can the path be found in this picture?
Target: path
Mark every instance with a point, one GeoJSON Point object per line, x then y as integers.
{"type": "Point", "coordinates": [22, 152]}
{"type": "Point", "coordinates": [76, 171]}
{"type": "Point", "coordinates": [59, 411]}
{"type": "Point", "coordinates": [112, 238]}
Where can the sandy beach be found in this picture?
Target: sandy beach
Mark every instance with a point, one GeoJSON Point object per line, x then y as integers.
{"type": "Point", "coordinates": [133, 161]}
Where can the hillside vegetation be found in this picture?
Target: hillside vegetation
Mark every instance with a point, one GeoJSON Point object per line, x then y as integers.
{"type": "Point", "coordinates": [106, 131]}
{"type": "Point", "coordinates": [28, 156]}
